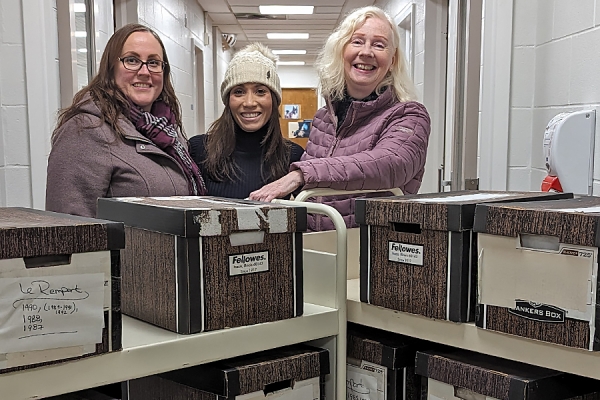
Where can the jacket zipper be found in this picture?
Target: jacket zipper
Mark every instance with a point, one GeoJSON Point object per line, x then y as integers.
{"type": "Point", "coordinates": [339, 136]}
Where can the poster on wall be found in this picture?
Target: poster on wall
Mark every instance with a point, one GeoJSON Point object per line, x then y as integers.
{"type": "Point", "coordinates": [291, 111]}
{"type": "Point", "coordinates": [299, 129]}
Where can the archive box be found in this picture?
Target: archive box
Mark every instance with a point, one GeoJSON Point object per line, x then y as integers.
{"type": "Point", "coordinates": [538, 270]}
{"type": "Point", "coordinates": [59, 287]}
{"type": "Point", "coordinates": [382, 364]}
{"type": "Point", "coordinates": [194, 264]}
{"type": "Point", "coordinates": [418, 253]}
{"type": "Point", "coordinates": [459, 374]}
{"type": "Point", "coordinates": [295, 372]}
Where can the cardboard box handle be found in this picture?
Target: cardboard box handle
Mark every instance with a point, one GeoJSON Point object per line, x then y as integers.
{"type": "Point", "coordinates": [406, 227]}
{"type": "Point", "coordinates": [47, 261]}
{"type": "Point", "coordinates": [276, 386]}
{"type": "Point", "coordinates": [539, 242]}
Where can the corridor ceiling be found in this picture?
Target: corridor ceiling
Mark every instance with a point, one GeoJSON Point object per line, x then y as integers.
{"type": "Point", "coordinates": [242, 18]}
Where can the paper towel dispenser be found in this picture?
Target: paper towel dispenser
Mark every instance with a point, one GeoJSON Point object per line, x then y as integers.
{"type": "Point", "coordinates": [569, 151]}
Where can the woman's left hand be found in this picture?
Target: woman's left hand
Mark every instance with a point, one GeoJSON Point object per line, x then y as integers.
{"type": "Point", "coordinates": [280, 188]}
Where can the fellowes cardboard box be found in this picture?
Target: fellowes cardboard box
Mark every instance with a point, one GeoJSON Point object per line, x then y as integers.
{"type": "Point", "coordinates": [538, 270]}
{"type": "Point", "coordinates": [59, 287]}
{"type": "Point", "coordinates": [459, 374]}
{"type": "Point", "coordinates": [418, 253]}
{"type": "Point", "coordinates": [196, 264]}
{"type": "Point", "coordinates": [381, 365]}
{"type": "Point", "coordinates": [294, 372]}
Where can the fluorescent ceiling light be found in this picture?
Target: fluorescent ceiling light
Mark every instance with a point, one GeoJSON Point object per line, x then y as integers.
{"type": "Point", "coordinates": [290, 62]}
{"type": "Point", "coordinates": [287, 35]}
{"type": "Point", "coordinates": [291, 10]}
{"type": "Point", "coordinates": [80, 34]}
{"type": "Point", "coordinates": [82, 50]}
{"type": "Point", "coordinates": [289, 51]}
{"type": "Point", "coordinates": [79, 7]}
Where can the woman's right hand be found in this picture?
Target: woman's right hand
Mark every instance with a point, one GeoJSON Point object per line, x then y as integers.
{"type": "Point", "coordinates": [279, 188]}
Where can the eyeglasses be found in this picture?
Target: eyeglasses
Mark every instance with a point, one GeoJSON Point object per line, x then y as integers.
{"type": "Point", "coordinates": [135, 64]}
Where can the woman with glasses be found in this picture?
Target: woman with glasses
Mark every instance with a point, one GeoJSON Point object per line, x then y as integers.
{"type": "Point", "coordinates": [244, 148]}
{"type": "Point", "coordinates": [123, 135]}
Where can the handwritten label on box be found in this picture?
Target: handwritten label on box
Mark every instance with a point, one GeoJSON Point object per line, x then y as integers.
{"type": "Point", "coordinates": [367, 382]}
{"type": "Point", "coordinates": [47, 312]}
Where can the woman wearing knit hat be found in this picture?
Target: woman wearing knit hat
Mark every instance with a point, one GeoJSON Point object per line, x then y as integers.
{"type": "Point", "coordinates": [244, 149]}
{"type": "Point", "coordinates": [371, 134]}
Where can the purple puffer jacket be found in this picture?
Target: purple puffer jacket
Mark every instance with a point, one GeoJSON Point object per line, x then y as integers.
{"type": "Point", "coordinates": [381, 144]}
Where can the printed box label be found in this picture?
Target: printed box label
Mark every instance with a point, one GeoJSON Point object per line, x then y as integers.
{"type": "Point", "coordinates": [248, 263]}
{"type": "Point", "coordinates": [405, 253]}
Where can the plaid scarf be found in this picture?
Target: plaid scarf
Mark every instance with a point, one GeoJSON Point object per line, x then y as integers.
{"type": "Point", "coordinates": [160, 127]}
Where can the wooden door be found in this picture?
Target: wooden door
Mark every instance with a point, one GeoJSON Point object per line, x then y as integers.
{"type": "Point", "coordinates": [297, 109]}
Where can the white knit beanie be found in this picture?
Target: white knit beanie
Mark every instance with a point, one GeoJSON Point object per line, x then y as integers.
{"type": "Point", "coordinates": [254, 63]}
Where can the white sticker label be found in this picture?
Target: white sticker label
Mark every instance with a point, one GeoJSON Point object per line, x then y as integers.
{"type": "Point", "coordinates": [41, 313]}
{"type": "Point", "coordinates": [360, 384]}
{"type": "Point", "coordinates": [240, 264]}
{"type": "Point", "coordinates": [405, 253]}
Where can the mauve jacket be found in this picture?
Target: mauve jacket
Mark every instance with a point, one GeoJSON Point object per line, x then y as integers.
{"type": "Point", "coordinates": [381, 144]}
{"type": "Point", "coordinates": [89, 160]}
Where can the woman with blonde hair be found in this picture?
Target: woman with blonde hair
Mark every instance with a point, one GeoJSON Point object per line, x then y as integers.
{"type": "Point", "coordinates": [371, 134]}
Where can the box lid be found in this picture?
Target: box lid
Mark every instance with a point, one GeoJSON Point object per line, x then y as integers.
{"type": "Point", "coordinates": [26, 232]}
{"type": "Point", "coordinates": [380, 347]}
{"type": "Point", "coordinates": [499, 378]}
{"type": "Point", "coordinates": [448, 211]}
{"type": "Point", "coordinates": [251, 373]}
{"type": "Point", "coordinates": [193, 216]}
{"type": "Point", "coordinates": [572, 221]}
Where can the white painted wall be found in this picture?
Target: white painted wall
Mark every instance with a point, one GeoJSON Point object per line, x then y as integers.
{"type": "Point", "coordinates": [554, 68]}
{"type": "Point", "coordinates": [15, 180]}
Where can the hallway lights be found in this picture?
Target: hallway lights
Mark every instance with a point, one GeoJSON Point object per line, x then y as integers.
{"type": "Point", "coordinates": [290, 10]}
{"type": "Point", "coordinates": [281, 52]}
{"type": "Point", "coordinates": [287, 35]}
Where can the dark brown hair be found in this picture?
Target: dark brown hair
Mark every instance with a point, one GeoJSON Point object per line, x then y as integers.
{"type": "Point", "coordinates": [105, 93]}
{"type": "Point", "coordinates": [220, 144]}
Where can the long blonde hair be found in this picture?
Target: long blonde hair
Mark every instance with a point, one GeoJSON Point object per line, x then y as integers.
{"type": "Point", "coordinates": [330, 62]}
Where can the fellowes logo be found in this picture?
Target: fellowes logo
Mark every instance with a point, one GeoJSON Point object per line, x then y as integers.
{"type": "Point", "coordinates": [537, 311]}
{"type": "Point", "coordinates": [240, 264]}
{"type": "Point", "coordinates": [404, 248]}
{"type": "Point", "coordinates": [243, 258]}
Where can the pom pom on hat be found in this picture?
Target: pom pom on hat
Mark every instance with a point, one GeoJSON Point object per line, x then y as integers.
{"type": "Point", "coordinates": [254, 63]}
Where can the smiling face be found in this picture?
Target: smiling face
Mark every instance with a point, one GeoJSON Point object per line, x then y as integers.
{"type": "Point", "coordinates": [251, 105]}
{"type": "Point", "coordinates": [141, 87]}
{"type": "Point", "coordinates": [368, 57]}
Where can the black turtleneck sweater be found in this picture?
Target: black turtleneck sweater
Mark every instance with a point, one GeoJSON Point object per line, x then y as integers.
{"type": "Point", "coordinates": [248, 158]}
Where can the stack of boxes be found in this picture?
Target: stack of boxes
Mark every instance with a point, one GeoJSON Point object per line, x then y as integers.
{"type": "Point", "coordinates": [188, 264]}
{"type": "Point", "coordinates": [521, 263]}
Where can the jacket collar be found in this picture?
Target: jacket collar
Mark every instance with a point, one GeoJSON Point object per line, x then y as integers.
{"type": "Point", "coordinates": [126, 125]}
{"type": "Point", "coordinates": [362, 109]}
